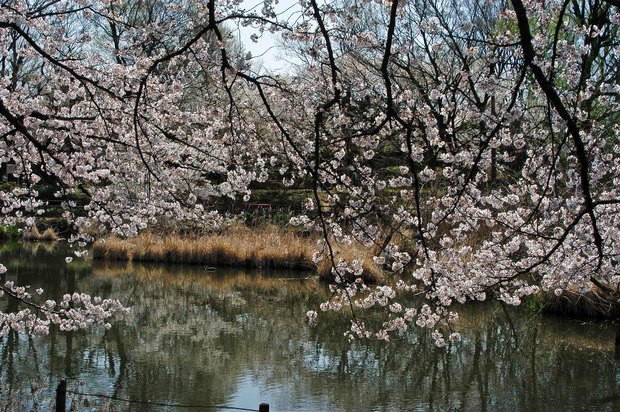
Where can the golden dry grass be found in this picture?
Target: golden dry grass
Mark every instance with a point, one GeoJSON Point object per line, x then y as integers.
{"type": "Point", "coordinates": [268, 247]}
{"type": "Point", "coordinates": [372, 272]}
{"type": "Point", "coordinates": [47, 235]}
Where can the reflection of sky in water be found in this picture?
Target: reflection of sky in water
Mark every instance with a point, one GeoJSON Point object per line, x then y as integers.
{"type": "Point", "coordinates": [239, 339]}
{"type": "Point", "coordinates": [246, 394]}
{"type": "Point", "coordinates": [323, 360]}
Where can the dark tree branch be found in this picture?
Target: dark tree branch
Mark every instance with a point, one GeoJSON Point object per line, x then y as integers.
{"type": "Point", "coordinates": [554, 98]}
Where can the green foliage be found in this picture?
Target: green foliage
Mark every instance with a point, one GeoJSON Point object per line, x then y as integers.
{"type": "Point", "coordinates": [9, 247]}
{"type": "Point", "coordinates": [8, 186]}
{"type": "Point", "coordinates": [8, 232]}
{"type": "Point", "coordinates": [535, 304]}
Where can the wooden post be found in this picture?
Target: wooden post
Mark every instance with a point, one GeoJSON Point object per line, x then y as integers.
{"type": "Point", "coordinates": [61, 396]}
{"type": "Point", "coordinates": [263, 407]}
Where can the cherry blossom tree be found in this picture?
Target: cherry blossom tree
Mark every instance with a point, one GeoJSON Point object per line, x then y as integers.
{"type": "Point", "coordinates": [471, 146]}
{"type": "Point", "coordinates": [507, 182]}
{"type": "Point", "coordinates": [117, 119]}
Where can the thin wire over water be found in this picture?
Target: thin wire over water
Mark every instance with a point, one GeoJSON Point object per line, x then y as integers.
{"type": "Point", "coordinates": [175, 405]}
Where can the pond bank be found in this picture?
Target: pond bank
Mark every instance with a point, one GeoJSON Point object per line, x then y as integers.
{"type": "Point", "coordinates": [266, 248]}
{"type": "Point", "coordinates": [590, 305]}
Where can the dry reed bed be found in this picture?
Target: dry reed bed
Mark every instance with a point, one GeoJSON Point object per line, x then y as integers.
{"type": "Point", "coordinates": [269, 248]}
{"type": "Point", "coordinates": [47, 235]}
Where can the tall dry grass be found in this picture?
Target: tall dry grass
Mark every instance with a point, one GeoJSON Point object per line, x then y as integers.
{"type": "Point", "coordinates": [48, 234]}
{"type": "Point", "coordinates": [269, 247]}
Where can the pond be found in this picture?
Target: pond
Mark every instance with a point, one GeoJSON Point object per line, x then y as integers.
{"type": "Point", "coordinates": [237, 338]}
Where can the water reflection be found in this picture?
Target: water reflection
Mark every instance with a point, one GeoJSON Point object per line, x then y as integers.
{"type": "Point", "coordinates": [235, 338]}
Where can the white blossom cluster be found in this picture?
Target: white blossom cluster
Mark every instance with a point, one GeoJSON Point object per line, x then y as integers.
{"type": "Point", "coordinates": [73, 312]}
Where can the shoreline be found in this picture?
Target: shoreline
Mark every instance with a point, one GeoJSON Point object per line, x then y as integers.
{"type": "Point", "coordinates": [263, 248]}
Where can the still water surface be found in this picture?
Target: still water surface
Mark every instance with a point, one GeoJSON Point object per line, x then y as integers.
{"type": "Point", "coordinates": [236, 338]}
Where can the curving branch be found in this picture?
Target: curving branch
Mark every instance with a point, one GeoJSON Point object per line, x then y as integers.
{"type": "Point", "coordinates": [550, 91]}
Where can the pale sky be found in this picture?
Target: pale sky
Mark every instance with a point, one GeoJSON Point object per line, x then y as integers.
{"type": "Point", "coordinates": [266, 49]}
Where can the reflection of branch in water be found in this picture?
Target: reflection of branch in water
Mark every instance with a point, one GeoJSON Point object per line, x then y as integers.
{"type": "Point", "coordinates": [8, 364]}
{"type": "Point", "coordinates": [343, 366]}
{"type": "Point", "coordinates": [68, 354]}
{"type": "Point", "coordinates": [446, 370]}
{"type": "Point", "coordinates": [510, 323]}
{"type": "Point", "coordinates": [474, 374]}
{"type": "Point", "coordinates": [122, 360]}
{"type": "Point", "coordinates": [132, 294]}
{"type": "Point", "coordinates": [617, 343]}
{"type": "Point", "coordinates": [35, 355]}
{"type": "Point", "coordinates": [426, 366]}
{"type": "Point", "coordinates": [489, 365]}
{"type": "Point", "coordinates": [533, 363]}
{"type": "Point", "coordinates": [433, 390]}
